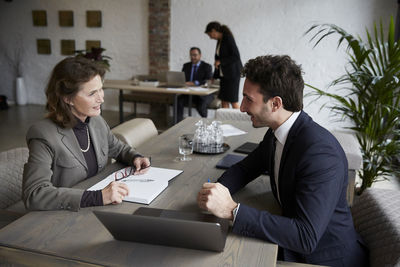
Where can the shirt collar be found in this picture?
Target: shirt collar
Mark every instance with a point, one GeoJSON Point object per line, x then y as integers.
{"type": "Point", "coordinates": [282, 132]}
{"type": "Point", "coordinates": [197, 64]}
{"type": "Point", "coordinates": [81, 125]}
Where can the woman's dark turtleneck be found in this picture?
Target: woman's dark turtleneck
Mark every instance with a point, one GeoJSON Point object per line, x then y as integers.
{"type": "Point", "coordinates": [81, 130]}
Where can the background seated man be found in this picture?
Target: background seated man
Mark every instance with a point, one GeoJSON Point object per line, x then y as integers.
{"type": "Point", "coordinates": [197, 72]}
{"type": "Point", "coordinates": [308, 174]}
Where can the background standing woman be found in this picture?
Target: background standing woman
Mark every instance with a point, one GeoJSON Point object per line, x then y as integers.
{"type": "Point", "coordinates": [227, 63]}
{"type": "Point", "coordinates": [73, 143]}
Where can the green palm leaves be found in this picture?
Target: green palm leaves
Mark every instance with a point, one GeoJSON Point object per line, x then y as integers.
{"type": "Point", "coordinates": [369, 96]}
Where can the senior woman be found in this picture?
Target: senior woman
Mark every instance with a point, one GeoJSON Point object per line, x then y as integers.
{"type": "Point", "coordinates": [73, 143]}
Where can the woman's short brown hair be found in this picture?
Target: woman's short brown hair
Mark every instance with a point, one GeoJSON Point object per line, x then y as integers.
{"type": "Point", "coordinates": [65, 82]}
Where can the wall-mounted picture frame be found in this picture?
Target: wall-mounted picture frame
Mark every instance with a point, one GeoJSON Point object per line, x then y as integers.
{"type": "Point", "coordinates": [93, 18]}
{"type": "Point", "coordinates": [67, 47]}
{"type": "Point", "coordinates": [43, 46]}
{"type": "Point", "coordinates": [39, 18]}
{"type": "Point", "coordinates": [66, 18]}
{"type": "Point", "coordinates": [92, 44]}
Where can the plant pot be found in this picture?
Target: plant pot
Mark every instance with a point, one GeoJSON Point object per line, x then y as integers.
{"type": "Point", "coordinates": [21, 96]}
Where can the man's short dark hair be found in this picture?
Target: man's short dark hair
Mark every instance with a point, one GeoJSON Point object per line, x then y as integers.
{"type": "Point", "coordinates": [195, 48]}
{"type": "Point", "coordinates": [277, 76]}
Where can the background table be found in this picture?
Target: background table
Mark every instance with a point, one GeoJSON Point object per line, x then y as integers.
{"type": "Point", "coordinates": [122, 85]}
{"type": "Point", "coordinates": [78, 238]}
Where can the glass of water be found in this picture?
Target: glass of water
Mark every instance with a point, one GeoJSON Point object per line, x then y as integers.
{"type": "Point", "coordinates": [186, 146]}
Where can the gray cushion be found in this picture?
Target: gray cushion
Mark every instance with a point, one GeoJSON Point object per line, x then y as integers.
{"type": "Point", "coordinates": [376, 215]}
{"type": "Point", "coordinates": [11, 169]}
{"type": "Point", "coordinates": [351, 147]}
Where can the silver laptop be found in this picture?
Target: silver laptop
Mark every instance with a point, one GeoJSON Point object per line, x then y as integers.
{"type": "Point", "coordinates": [175, 79]}
{"type": "Point", "coordinates": [167, 227]}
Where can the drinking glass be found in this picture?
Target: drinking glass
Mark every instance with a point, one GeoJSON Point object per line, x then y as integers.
{"type": "Point", "coordinates": [186, 146]}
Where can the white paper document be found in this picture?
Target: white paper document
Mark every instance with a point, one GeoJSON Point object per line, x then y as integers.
{"type": "Point", "coordinates": [229, 130]}
{"type": "Point", "coordinates": [143, 188]}
{"type": "Point", "coordinates": [179, 89]}
{"type": "Point", "coordinates": [199, 89]}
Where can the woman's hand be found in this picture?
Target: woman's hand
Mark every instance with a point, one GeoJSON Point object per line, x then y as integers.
{"type": "Point", "coordinates": [217, 63]}
{"type": "Point", "coordinates": [114, 193]}
{"type": "Point", "coordinates": [141, 164]}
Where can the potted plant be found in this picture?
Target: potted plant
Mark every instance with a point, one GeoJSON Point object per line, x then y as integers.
{"type": "Point", "coordinates": [95, 54]}
{"type": "Point", "coordinates": [369, 96]}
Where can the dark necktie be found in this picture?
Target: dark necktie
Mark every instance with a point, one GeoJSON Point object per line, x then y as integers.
{"type": "Point", "coordinates": [194, 73]}
{"type": "Point", "coordinates": [272, 166]}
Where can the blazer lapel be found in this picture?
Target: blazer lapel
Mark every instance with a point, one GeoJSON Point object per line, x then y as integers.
{"type": "Point", "coordinates": [69, 140]}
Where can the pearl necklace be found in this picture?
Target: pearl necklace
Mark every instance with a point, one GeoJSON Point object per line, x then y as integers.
{"type": "Point", "coordinates": [88, 140]}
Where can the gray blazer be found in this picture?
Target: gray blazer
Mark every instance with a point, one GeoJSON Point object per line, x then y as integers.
{"type": "Point", "coordinates": [56, 163]}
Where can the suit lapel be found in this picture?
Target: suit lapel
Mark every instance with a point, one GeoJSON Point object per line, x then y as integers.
{"type": "Point", "coordinates": [289, 141]}
{"type": "Point", "coordinates": [68, 138]}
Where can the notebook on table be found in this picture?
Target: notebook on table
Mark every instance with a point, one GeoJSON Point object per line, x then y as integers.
{"type": "Point", "coordinates": [228, 160]}
{"type": "Point", "coordinates": [246, 148]}
{"type": "Point", "coordinates": [143, 188]}
{"type": "Point", "coordinates": [167, 227]}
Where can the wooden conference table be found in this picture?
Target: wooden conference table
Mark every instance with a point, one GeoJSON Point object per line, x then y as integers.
{"type": "Point", "coordinates": [51, 238]}
{"type": "Point", "coordinates": [126, 85]}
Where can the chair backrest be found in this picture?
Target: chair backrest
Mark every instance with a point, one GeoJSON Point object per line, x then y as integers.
{"type": "Point", "coordinates": [376, 215]}
{"type": "Point", "coordinates": [215, 103]}
{"type": "Point", "coordinates": [11, 169]}
{"type": "Point", "coordinates": [136, 131]}
{"type": "Point", "coordinates": [231, 114]}
{"type": "Point", "coordinates": [351, 148]}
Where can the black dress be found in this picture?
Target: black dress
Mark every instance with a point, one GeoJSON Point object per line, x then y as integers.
{"type": "Point", "coordinates": [229, 69]}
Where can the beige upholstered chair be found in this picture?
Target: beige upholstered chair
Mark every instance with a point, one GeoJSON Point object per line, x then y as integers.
{"type": "Point", "coordinates": [376, 215]}
{"type": "Point", "coordinates": [231, 115]}
{"type": "Point", "coordinates": [136, 131]}
{"type": "Point", "coordinates": [351, 148]}
{"type": "Point", "coordinates": [11, 168]}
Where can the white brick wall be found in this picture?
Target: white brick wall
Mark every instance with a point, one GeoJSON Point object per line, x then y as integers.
{"type": "Point", "coordinates": [276, 27]}
{"type": "Point", "coordinates": [123, 34]}
{"type": "Point", "coordinates": [260, 27]}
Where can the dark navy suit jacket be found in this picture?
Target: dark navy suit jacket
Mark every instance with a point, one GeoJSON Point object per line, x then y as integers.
{"type": "Point", "coordinates": [230, 58]}
{"type": "Point", "coordinates": [316, 225]}
{"type": "Point", "coordinates": [203, 72]}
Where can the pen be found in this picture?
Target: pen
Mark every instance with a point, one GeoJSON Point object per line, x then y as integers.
{"type": "Point", "coordinates": [138, 180]}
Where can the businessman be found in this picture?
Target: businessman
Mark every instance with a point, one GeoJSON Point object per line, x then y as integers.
{"type": "Point", "coordinates": [197, 72]}
{"type": "Point", "coordinates": [308, 174]}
